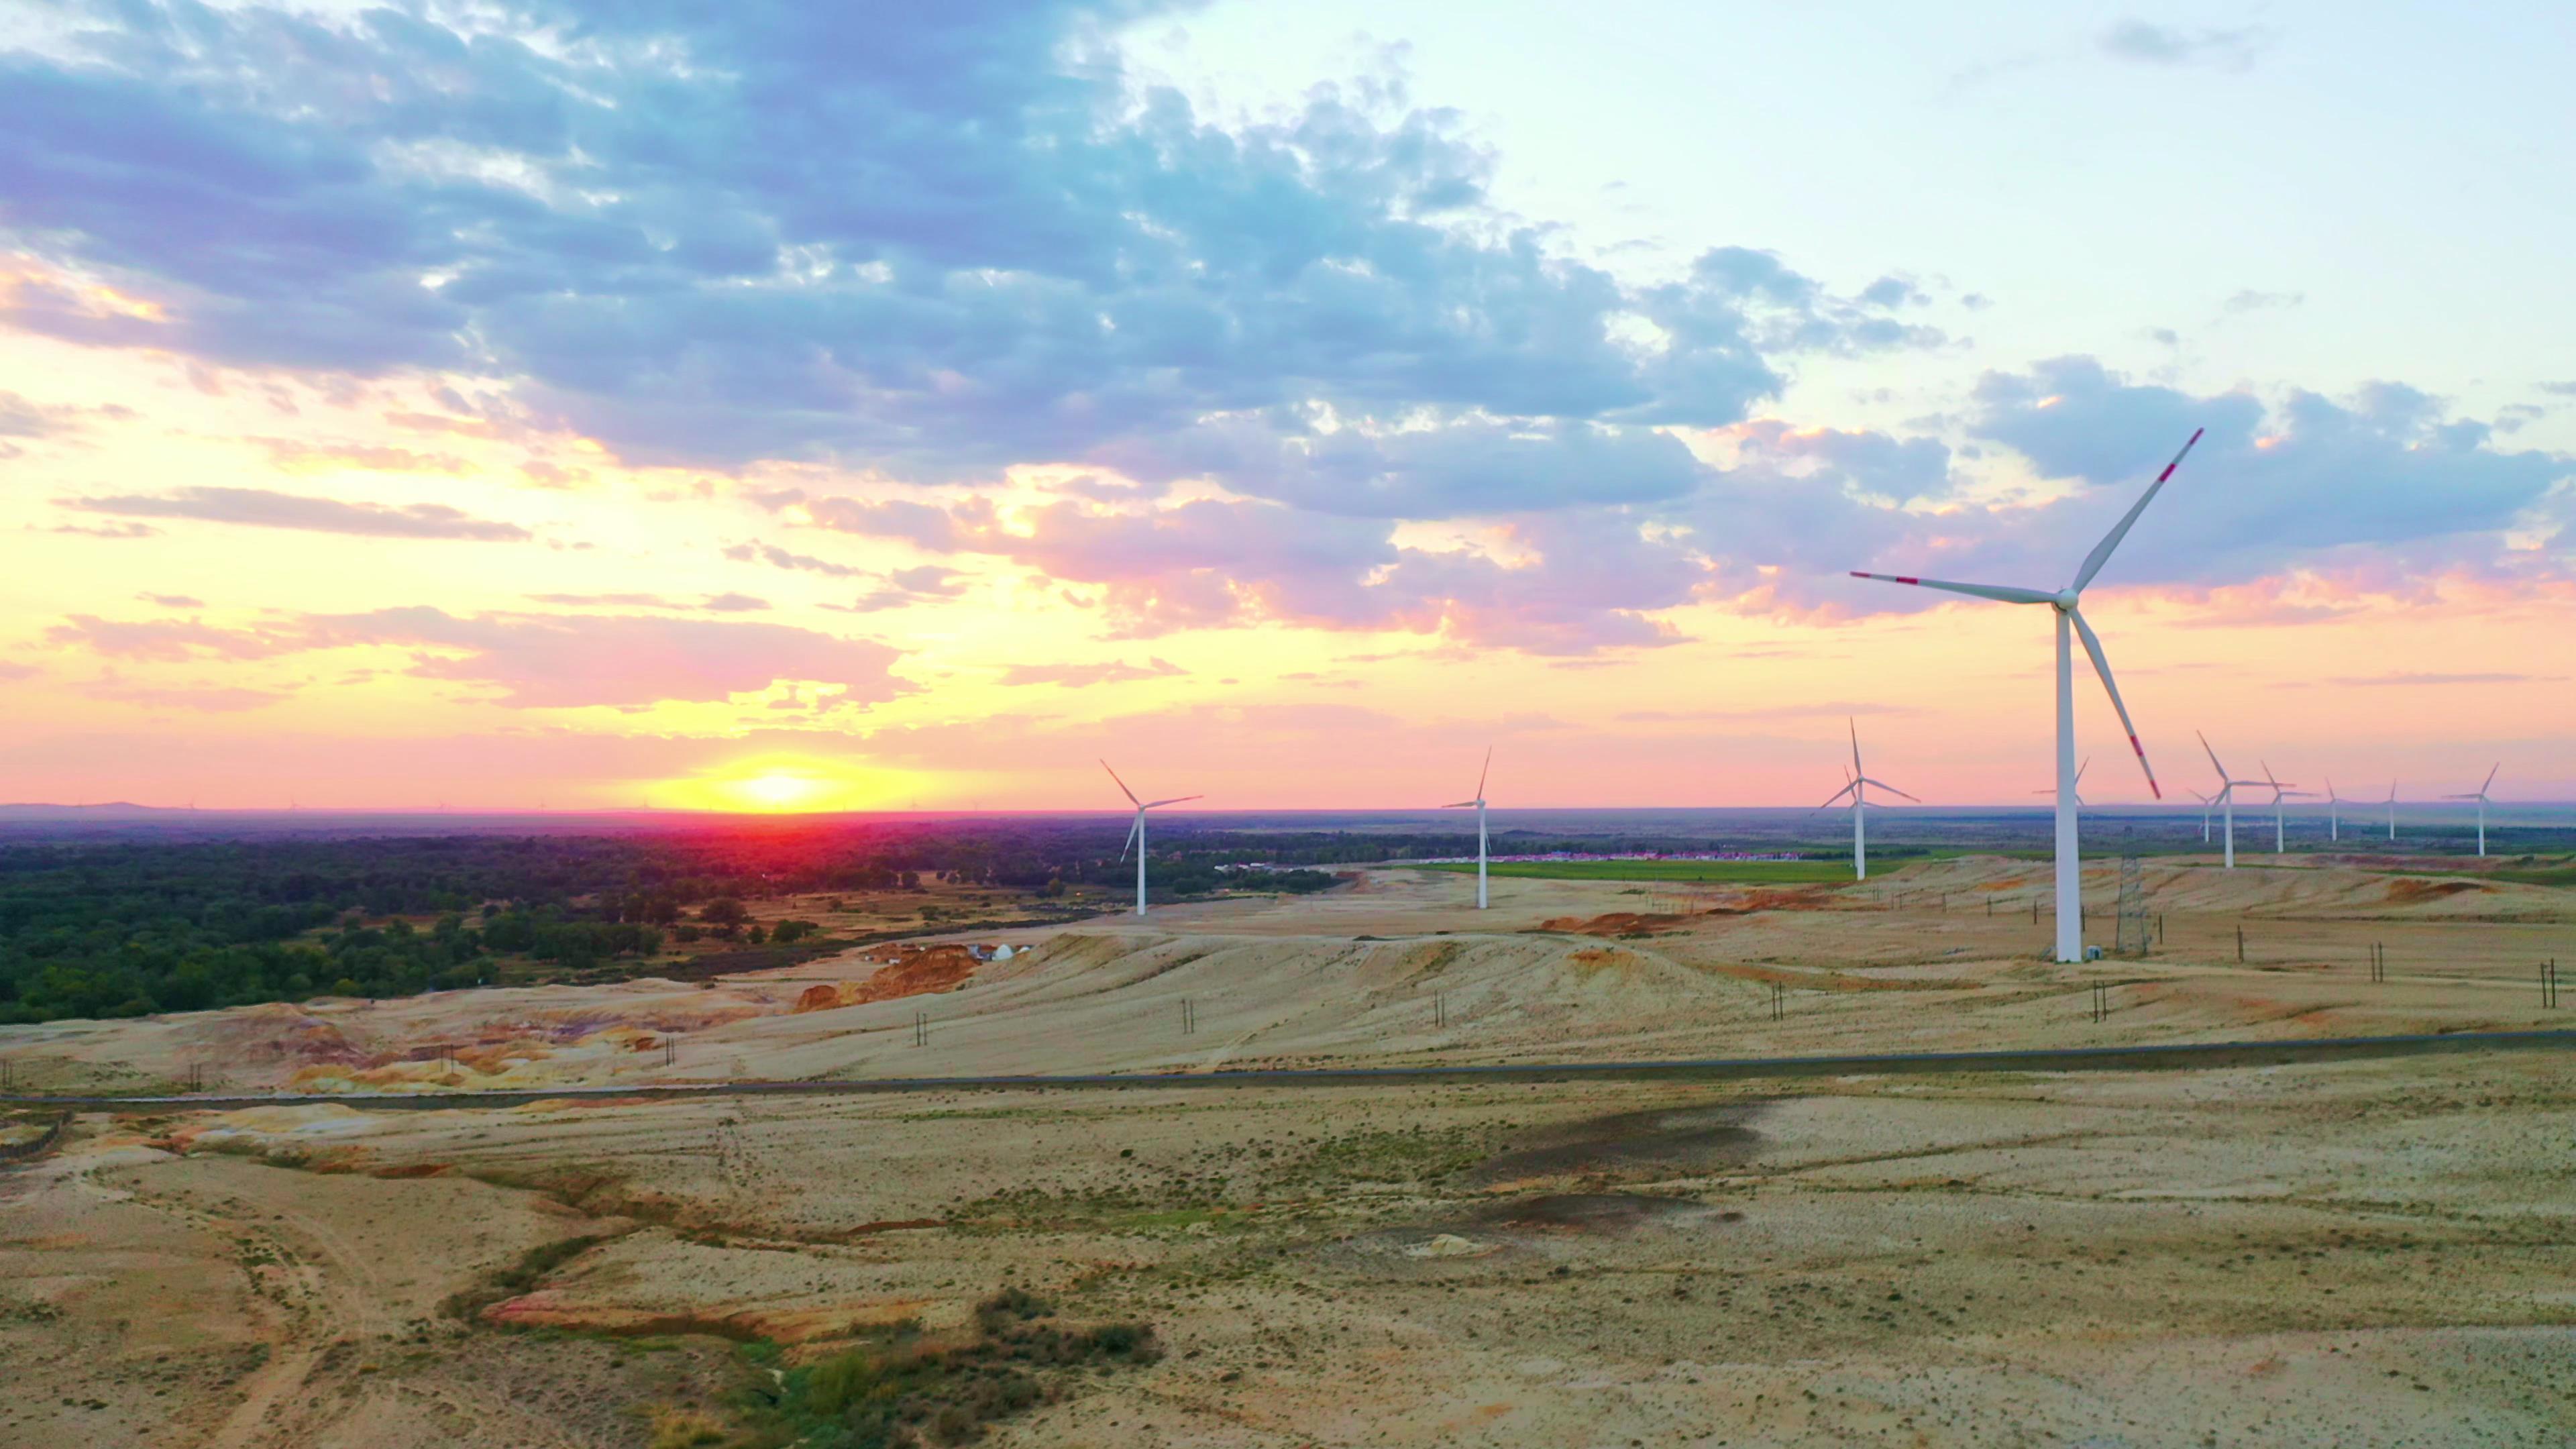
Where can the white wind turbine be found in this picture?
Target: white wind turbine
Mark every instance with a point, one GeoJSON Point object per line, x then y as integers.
{"type": "Point", "coordinates": [2206, 801]}
{"type": "Point", "coordinates": [2070, 869]}
{"type": "Point", "coordinates": [1479, 804]}
{"type": "Point", "coordinates": [1136, 836]}
{"type": "Point", "coordinates": [2280, 792]}
{"type": "Point", "coordinates": [2334, 811]}
{"type": "Point", "coordinates": [2226, 796]}
{"type": "Point", "coordinates": [2079, 782]}
{"type": "Point", "coordinates": [2392, 810]}
{"type": "Point", "coordinates": [1857, 787]}
{"type": "Point", "coordinates": [2483, 802]}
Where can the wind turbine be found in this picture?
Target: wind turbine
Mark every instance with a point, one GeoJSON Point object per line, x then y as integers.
{"type": "Point", "coordinates": [2070, 868]}
{"type": "Point", "coordinates": [2205, 802]}
{"type": "Point", "coordinates": [2334, 811]}
{"type": "Point", "coordinates": [2483, 802]}
{"type": "Point", "coordinates": [2280, 792]}
{"type": "Point", "coordinates": [1857, 787]}
{"type": "Point", "coordinates": [2226, 796]}
{"type": "Point", "coordinates": [2079, 781]}
{"type": "Point", "coordinates": [1136, 836]}
{"type": "Point", "coordinates": [1479, 803]}
{"type": "Point", "coordinates": [2392, 810]}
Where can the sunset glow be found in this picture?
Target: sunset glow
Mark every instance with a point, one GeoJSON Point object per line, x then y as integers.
{"type": "Point", "coordinates": [1281, 459]}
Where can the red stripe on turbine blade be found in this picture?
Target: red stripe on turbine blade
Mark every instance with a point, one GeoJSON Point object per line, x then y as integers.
{"type": "Point", "coordinates": [1902, 579]}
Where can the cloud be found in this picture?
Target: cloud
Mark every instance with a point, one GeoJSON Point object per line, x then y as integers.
{"type": "Point", "coordinates": [165, 640]}
{"type": "Point", "coordinates": [108, 530]}
{"type": "Point", "coordinates": [713, 603]}
{"type": "Point", "coordinates": [927, 584]}
{"type": "Point", "coordinates": [261, 508]}
{"type": "Point", "coordinates": [926, 526]}
{"type": "Point", "coordinates": [704, 235]}
{"type": "Point", "coordinates": [570, 661]}
{"type": "Point", "coordinates": [23, 418]}
{"type": "Point", "coordinates": [172, 601]}
{"type": "Point", "coordinates": [2558, 389]}
{"type": "Point", "coordinates": [2384, 469]}
{"type": "Point", "coordinates": [208, 699]}
{"type": "Point", "coordinates": [1831, 709]}
{"type": "Point", "coordinates": [2252, 301]}
{"type": "Point", "coordinates": [596, 601]}
{"type": "Point", "coordinates": [2401, 679]}
{"type": "Point", "coordinates": [1083, 676]}
{"type": "Point", "coordinates": [296, 455]}
{"type": "Point", "coordinates": [2172, 45]}
{"type": "Point", "coordinates": [11, 670]}
{"type": "Point", "coordinates": [777, 557]}
{"type": "Point", "coordinates": [553, 661]}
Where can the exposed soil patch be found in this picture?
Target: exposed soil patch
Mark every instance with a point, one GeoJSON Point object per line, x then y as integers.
{"type": "Point", "coordinates": [2409, 891]}
{"type": "Point", "coordinates": [1632, 1145]}
{"type": "Point", "coordinates": [914, 971]}
{"type": "Point", "coordinates": [1803, 898]}
{"type": "Point", "coordinates": [1616, 923]}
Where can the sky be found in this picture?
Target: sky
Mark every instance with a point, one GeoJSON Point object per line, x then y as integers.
{"type": "Point", "coordinates": [777, 406]}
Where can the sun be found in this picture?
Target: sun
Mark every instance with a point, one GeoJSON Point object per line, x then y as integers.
{"type": "Point", "coordinates": [783, 785]}
{"type": "Point", "coordinates": [781, 790]}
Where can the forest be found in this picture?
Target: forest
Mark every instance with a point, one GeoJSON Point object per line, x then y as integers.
{"type": "Point", "coordinates": [130, 927]}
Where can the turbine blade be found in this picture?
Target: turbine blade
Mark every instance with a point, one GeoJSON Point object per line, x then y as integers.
{"type": "Point", "coordinates": [2491, 774]}
{"type": "Point", "coordinates": [1122, 785]}
{"type": "Point", "coordinates": [2102, 667]}
{"type": "Point", "coordinates": [1855, 739]}
{"type": "Point", "coordinates": [2001, 593]}
{"type": "Point", "coordinates": [2101, 553]}
{"type": "Point", "coordinates": [1175, 800]}
{"type": "Point", "coordinates": [1131, 835]}
{"type": "Point", "coordinates": [1891, 789]}
{"type": "Point", "coordinates": [1487, 770]}
{"type": "Point", "coordinates": [1458, 805]}
{"type": "Point", "coordinates": [1831, 799]}
{"type": "Point", "coordinates": [2213, 760]}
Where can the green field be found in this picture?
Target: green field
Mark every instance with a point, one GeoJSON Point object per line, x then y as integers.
{"type": "Point", "coordinates": [1745, 872]}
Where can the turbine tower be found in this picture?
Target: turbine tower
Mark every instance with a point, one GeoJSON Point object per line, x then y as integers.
{"type": "Point", "coordinates": [2280, 792]}
{"type": "Point", "coordinates": [1857, 787]}
{"type": "Point", "coordinates": [2483, 802]}
{"type": "Point", "coordinates": [1479, 804]}
{"type": "Point", "coordinates": [2226, 796]}
{"type": "Point", "coordinates": [1136, 836]}
{"type": "Point", "coordinates": [2070, 868]}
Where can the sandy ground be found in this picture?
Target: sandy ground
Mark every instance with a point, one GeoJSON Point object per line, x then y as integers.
{"type": "Point", "coordinates": [1397, 969]}
{"type": "Point", "coordinates": [2352, 1253]}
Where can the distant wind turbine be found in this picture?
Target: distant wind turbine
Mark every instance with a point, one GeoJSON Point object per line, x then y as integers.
{"type": "Point", "coordinates": [2280, 792]}
{"type": "Point", "coordinates": [1479, 804]}
{"type": "Point", "coordinates": [2392, 810]}
{"type": "Point", "coordinates": [1856, 785]}
{"type": "Point", "coordinates": [2205, 802]}
{"type": "Point", "coordinates": [1136, 836]}
{"type": "Point", "coordinates": [2483, 802]}
{"type": "Point", "coordinates": [2334, 811]}
{"type": "Point", "coordinates": [2226, 797]}
{"type": "Point", "coordinates": [2079, 781]}
{"type": "Point", "coordinates": [2070, 868]}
